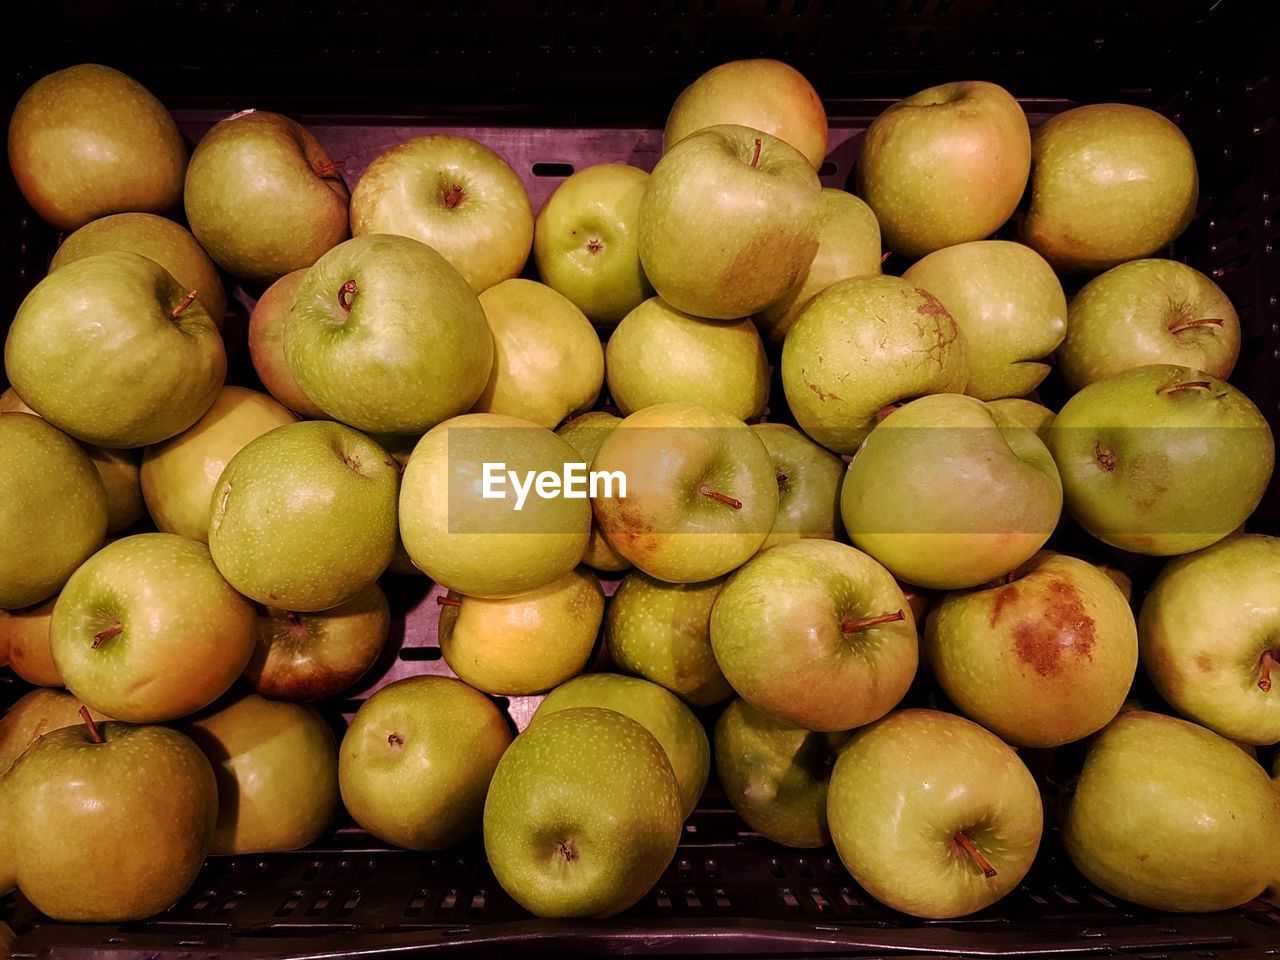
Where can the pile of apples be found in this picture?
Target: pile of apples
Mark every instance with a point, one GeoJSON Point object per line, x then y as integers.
{"type": "Point", "coordinates": [808, 575]}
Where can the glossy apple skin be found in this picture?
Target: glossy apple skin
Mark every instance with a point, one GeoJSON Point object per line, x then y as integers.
{"type": "Point", "coordinates": [721, 237]}
{"type": "Point", "coordinates": [904, 788]}
{"type": "Point", "coordinates": [945, 166]}
{"type": "Point", "coordinates": [277, 771]}
{"type": "Point", "coordinates": [776, 774]}
{"type": "Point", "coordinates": [141, 805]}
{"type": "Point", "coordinates": [1137, 313]}
{"type": "Point", "coordinates": [88, 140]}
{"type": "Point", "coordinates": [662, 632]}
{"type": "Point", "coordinates": [457, 196]}
{"type": "Point", "coordinates": [416, 762]}
{"type": "Point", "coordinates": [1142, 458]}
{"type": "Point", "coordinates": [766, 95]}
{"type": "Point", "coordinates": [583, 814]}
{"type": "Point", "coordinates": [25, 634]}
{"type": "Point", "coordinates": [668, 525]}
{"type": "Point", "coordinates": [1045, 660]}
{"type": "Point", "coordinates": [659, 355]}
{"type": "Point", "coordinates": [1027, 413]}
{"type": "Point", "coordinates": [266, 345]}
{"type": "Point", "coordinates": [585, 433]}
{"type": "Point", "coordinates": [158, 238]}
{"type": "Point", "coordinates": [948, 494]}
{"type": "Point", "coordinates": [862, 345]}
{"type": "Point", "coordinates": [34, 715]}
{"type": "Point", "coordinates": [1204, 627]}
{"type": "Point", "coordinates": [1172, 816]}
{"type": "Point", "coordinates": [809, 480]}
{"type": "Point", "coordinates": [179, 475]}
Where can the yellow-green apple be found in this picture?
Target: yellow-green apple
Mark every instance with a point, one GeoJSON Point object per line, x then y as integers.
{"type": "Point", "coordinates": [583, 814]}
{"type": "Point", "coordinates": [263, 197]}
{"type": "Point", "coordinates": [1172, 816]}
{"type": "Point", "coordinates": [1210, 637]}
{"type": "Point", "coordinates": [655, 708]}
{"type": "Point", "coordinates": [53, 509]}
{"type": "Point", "coordinates": [1142, 455]}
{"type": "Point", "coordinates": [25, 634]}
{"type": "Point", "coordinates": [266, 345]}
{"type": "Point", "coordinates": [848, 246]}
{"type": "Point", "coordinates": [415, 764]}
{"type": "Point", "coordinates": [776, 774]}
{"type": "Point", "coordinates": [88, 141]}
{"type": "Point", "coordinates": [815, 633]}
{"type": "Point", "coordinates": [547, 360]}
{"type": "Point", "coordinates": [766, 95]}
{"type": "Point", "coordinates": [180, 474]}
{"type": "Point", "coordinates": [484, 508]}
{"type": "Point", "coordinates": [141, 803]}
{"type": "Point", "coordinates": [949, 493]}
{"type": "Point", "coordinates": [662, 632]}
{"type": "Point", "coordinates": [1148, 311]}
{"type": "Point", "coordinates": [808, 485]}
{"type": "Point", "coordinates": [148, 631]}
{"type": "Point", "coordinates": [34, 715]}
{"type": "Point", "coordinates": [1010, 306]}
{"type": "Point", "coordinates": [862, 346]}
{"type": "Point", "coordinates": [523, 645]}
{"type": "Point", "coordinates": [159, 239]}
{"type": "Point", "coordinates": [455, 195]}
{"type": "Point", "coordinates": [700, 492]}
{"type": "Point", "coordinates": [585, 433]}
{"type": "Point", "coordinates": [1027, 413]}
{"type": "Point", "coordinates": [277, 771]}
{"type": "Point", "coordinates": [933, 815]}
{"type": "Point", "coordinates": [310, 656]}
{"type": "Point", "coordinates": [1041, 660]}
{"type": "Point", "coordinates": [304, 516]}
{"type": "Point", "coordinates": [944, 166]}
{"type": "Point", "coordinates": [729, 222]}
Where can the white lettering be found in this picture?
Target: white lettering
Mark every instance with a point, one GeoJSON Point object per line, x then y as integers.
{"type": "Point", "coordinates": [607, 478]}
{"type": "Point", "coordinates": [575, 483]}
{"type": "Point", "coordinates": [522, 490]}
{"type": "Point", "coordinates": [548, 485]}
{"type": "Point", "coordinates": [493, 475]}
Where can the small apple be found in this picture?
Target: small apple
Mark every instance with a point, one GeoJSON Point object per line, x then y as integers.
{"type": "Point", "coordinates": [862, 346]}
{"type": "Point", "coordinates": [35, 714]}
{"type": "Point", "coordinates": [266, 345]}
{"type": "Point", "coordinates": [455, 195]}
{"type": "Point", "coordinates": [809, 480]}
{"type": "Point", "coordinates": [25, 634]}
{"type": "Point", "coordinates": [585, 433]}
{"type": "Point", "coordinates": [1025, 413]}
{"type": "Point", "coordinates": [415, 764]}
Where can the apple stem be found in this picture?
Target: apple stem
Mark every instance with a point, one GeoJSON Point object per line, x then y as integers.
{"type": "Point", "coordinates": [1264, 681]}
{"type": "Point", "coordinates": [345, 293]}
{"type": "Point", "coordinates": [755, 157]}
{"type": "Point", "coordinates": [103, 635]}
{"type": "Point", "coordinates": [1184, 385]}
{"type": "Point", "coordinates": [884, 257]}
{"type": "Point", "coordinates": [966, 844]}
{"type": "Point", "coordinates": [849, 626]}
{"type": "Point", "coordinates": [452, 196]}
{"type": "Point", "coordinates": [1105, 458]}
{"type": "Point", "coordinates": [1188, 324]}
{"type": "Point", "coordinates": [724, 498]}
{"type": "Point", "coordinates": [328, 169]}
{"type": "Point", "coordinates": [189, 299]}
{"type": "Point", "coordinates": [1011, 576]}
{"type": "Point", "coordinates": [293, 618]}
{"type": "Point", "coordinates": [448, 602]}
{"type": "Point", "coordinates": [94, 733]}
{"type": "Point", "coordinates": [883, 412]}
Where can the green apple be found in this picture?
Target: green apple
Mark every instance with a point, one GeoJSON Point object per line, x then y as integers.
{"type": "Point", "coordinates": [311, 656]}
{"type": "Point", "coordinates": [277, 771]}
{"type": "Point", "coordinates": [815, 633]}
{"type": "Point", "coordinates": [109, 824]}
{"type": "Point", "coordinates": [53, 509]}
{"type": "Point", "coordinates": [1025, 413]}
{"type": "Point", "coordinates": [945, 166]}
{"type": "Point", "coordinates": [304, 517]}
{"type": "Point", "coordinates": [700, 491]}
{"type": "Point", "coordinates": [263, 197]}
{"type": "Point", "coordinates": [862, 346]}
{"type": "Point", "coordinates": [266, 345]}
{"type": "Point", "coordinates": [148, 631]}
{"type": "Point", "coordinates": [88, 141]}
{"type": "Point", "coordinates": [585, 434]}
{"type": "Point", "coordinates": [35, 714]}
{"type": "Point", "coordinates": [416, 762]}
{"type": "Point", "coordinates": [1041, 660]}
{"type": "Point", "coordinates": [949, 493]}
{"type": "Point", "coordinates": [583, 814]}
{"type": "Point", "coordinates": [159, 239]}
{"type": "Point", "coordinates": [659, 355]}
{"type": "Point", "coordinates": [1109, 182]}
{"type": "Point", "coordinates": [656, 709]}
{"type": "Point", "coordinates": [585, 241]}
{"type": "Point", "coordinates": [1010, 306]}
{"type": "Point", "coordinates": [729, 222]}
{"type": "Point", "coordinates": [1148, 311]}
{"type": "Point", "coordinates": [808, 485]}
{"type": "Point", "coordinates": [662, 632]}
{"type": "Point", "coordinates": [932, 815]}
{"type": "Point", "coordinates": [766, 95]}
{"type": "Point", "coordinates": [1210, 637]}
{"type": "Point", "coordinates": [523, 645]}
{"type": "Point", "coordinates": [1142, 455]}
{"type": "Point", "coordinates": [848, 246]}
{"type": "Point", "coordinates": [180, 474]}
{"type": "Point", "coordinates": [776, 774]}
{"type": "Point", "coordinates": [1172, 816]}
{"type": "Point", "coordinates": [25, 635]}
{"type": "Point", "coordinates": [547, 360]}
{"type": "Point", "coordinates": [455, 195]}
{"type": "Point", "coordinates": [500, 545]}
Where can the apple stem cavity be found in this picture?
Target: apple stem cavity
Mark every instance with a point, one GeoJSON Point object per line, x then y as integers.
{"type": "Point", "coordinates": [345, 293]}
{"type": "Point", "coordinates": [965, 843]}
{"type": "Point", "coordinates": [724, 498]}
{"type": "Point", "coordinates": [851, 626]}
{"type": "Point", "coordinates": [1190, 324]}
{"type": "Point", "coordinates": [448, 602]}
{"type": "Point", "coordinates": [566, 849]}
{"type": "Point", "coordinates": [94, 733]}
{"type": "Point", "coordinates": [189, 299]}
{"type": "Point", "coordinates": [1105, 458]}
{"type": "Point", "coordinates": [1264, 665]}
{"type": "Point", "coordinates": [104, 635]}
{"type": "Point", "coordinates": [755, 157]}
{"type": "Point", "coordinates": [1184, 385]}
